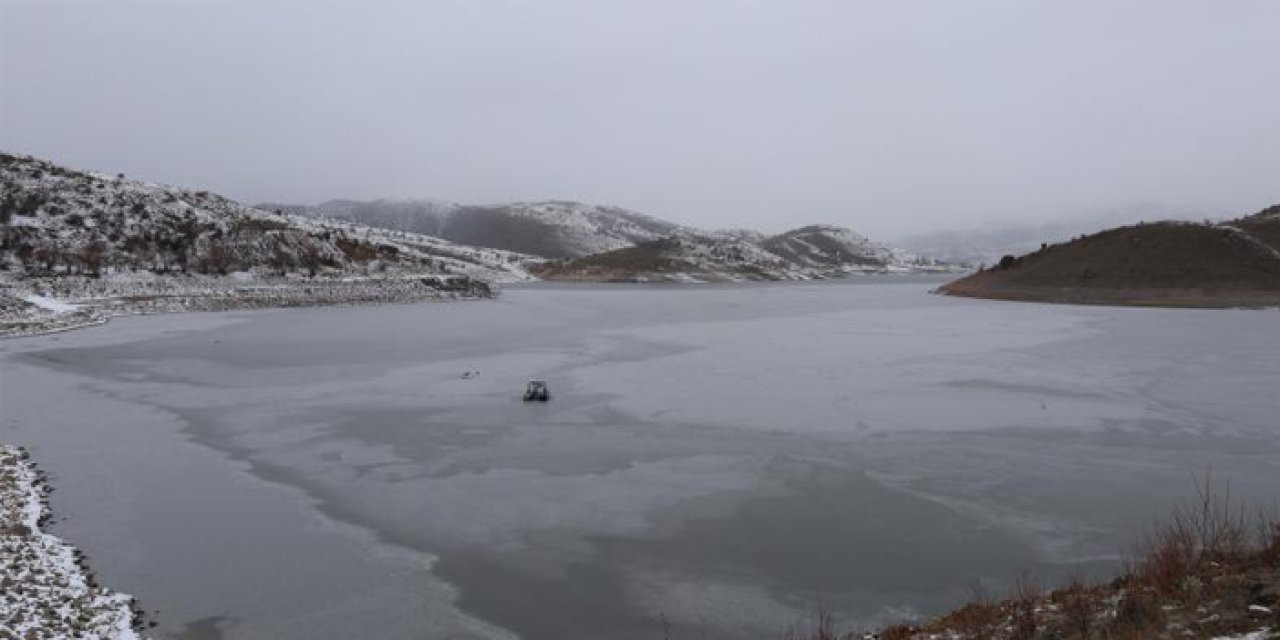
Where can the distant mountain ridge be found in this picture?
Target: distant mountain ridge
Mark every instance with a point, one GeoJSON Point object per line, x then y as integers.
{"type": "Point", "coordinates": [808, 253]}
{"type": "Point", "coordinates": [585, 242]}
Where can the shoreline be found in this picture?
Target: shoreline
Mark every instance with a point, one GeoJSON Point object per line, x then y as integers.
{"type": "Point", "coordinates": [1209, 571]}
{"type": "Point", "coordinates": [48, 587]}
{"type": "Point", "coordinates": [76, 302]}
{"type": "Point", "coordinates": [40, 306]}
{"type": "Point", "coordinates": [1136, 298]}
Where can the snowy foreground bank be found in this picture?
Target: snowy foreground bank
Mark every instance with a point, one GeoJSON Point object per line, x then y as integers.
{"type": "Point", "coordinates": [42, 305]}
{"type": "Point", "coordinates": [47, 591]}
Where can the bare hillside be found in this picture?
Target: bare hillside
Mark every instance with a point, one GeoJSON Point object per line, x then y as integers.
{"type": "Point", "coordinates": [1235, 263]}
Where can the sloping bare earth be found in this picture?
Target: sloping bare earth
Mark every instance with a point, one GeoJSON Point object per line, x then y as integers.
{"type": "Point", "coordinates": [1174, 264]}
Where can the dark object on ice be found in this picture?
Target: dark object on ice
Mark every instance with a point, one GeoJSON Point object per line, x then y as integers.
{"type": "Point", "coordinates": [536, 390]}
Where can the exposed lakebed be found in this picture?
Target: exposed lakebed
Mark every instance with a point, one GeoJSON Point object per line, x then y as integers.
{"type": "Point", "coordinates": [714, 459]}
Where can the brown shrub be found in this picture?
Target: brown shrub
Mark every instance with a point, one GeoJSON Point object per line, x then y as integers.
{"type": "Point", "coordinates": [975, 621]}
{"type": "Point", "coordinates": [357, 251]}
{"type": "Point", "coordinates": [1137, 612]}
{"type": "Point", "coordinates": [1080, 605]}
{"type": "Point", "coordinates": [258, 225]}
{"type": "Point", "coordinates": [1026, 599]}
{"type": "Point", "coordinates": [898, 632]}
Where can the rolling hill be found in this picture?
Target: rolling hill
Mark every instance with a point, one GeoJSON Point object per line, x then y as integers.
{"type": "Point", "coordinates": [1234, 263]}
{"type": "Point", "coordinates": [807, 253]}
{"type": "Point", "coordinates": [116, 245]}
{"type": "Point", "coordinates": [830, 247]}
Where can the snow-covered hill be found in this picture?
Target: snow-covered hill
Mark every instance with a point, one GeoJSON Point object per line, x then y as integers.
{"type": "Point", "coordinates": [578, 229]}
{"type": "Point", "coordinates": [58, 221]}
{"type": "Point", "coordinates": [825, 246]}
{"type": "Point", "coordinates": [115, 245]}
{"type": "Point", "coordinates": [680, 257]}
{"type": "Point", "coordinates": [556, 229]}
{"type": "Point", "coordinates": [688, 256]}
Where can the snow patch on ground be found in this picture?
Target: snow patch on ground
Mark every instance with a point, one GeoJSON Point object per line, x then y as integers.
{"type": "Point", "coordinates": [69, 302]}
{"type": "Point", "coordinates": [49, 304]}
{"type": "Point", "coordinates": [1261, 634]}
{"type": "Point", "coordinates": [47, 591]}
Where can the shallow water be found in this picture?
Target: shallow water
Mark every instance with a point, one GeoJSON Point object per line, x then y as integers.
{"type": "Point", "coordinates": [716, 460]}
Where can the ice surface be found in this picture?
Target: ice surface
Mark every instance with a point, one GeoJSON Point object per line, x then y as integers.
{"type": "Point", "coordinates": [724, 458]}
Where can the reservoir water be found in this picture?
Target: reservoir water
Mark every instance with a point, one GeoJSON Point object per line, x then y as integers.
{"type": "Point", "coordinates": [715, 461]}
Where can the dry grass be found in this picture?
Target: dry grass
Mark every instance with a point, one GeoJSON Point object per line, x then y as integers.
{"type": "Point", "coordinates": [1211, 569]}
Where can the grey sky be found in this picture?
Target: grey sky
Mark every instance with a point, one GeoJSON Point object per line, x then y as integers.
{"type": "Point", "coordinates": [890, 117]}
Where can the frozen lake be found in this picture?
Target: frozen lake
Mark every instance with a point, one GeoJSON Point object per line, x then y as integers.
{"type": "Point", "coordinates": [715, 460]}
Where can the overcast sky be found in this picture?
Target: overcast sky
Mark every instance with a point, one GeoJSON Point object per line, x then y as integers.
{"type": "Point", "coordinates": [890, 117]}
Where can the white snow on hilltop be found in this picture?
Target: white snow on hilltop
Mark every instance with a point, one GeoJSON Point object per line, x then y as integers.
{"type": "Point", "coordinates": [827, 246]}
{"type": "Point", "coordinates": [586, 229]}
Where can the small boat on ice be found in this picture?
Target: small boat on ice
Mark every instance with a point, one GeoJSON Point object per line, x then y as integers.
{"type": "Point", "coordinates": [536, 390]}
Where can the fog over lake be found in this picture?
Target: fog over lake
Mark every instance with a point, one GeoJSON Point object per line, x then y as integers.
{"type": "Point", "coordinates": [719, 460]}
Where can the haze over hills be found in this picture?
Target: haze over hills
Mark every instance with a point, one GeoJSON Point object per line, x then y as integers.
{"type": "Point", "coordinates": [987, 243]}
{"type": "Point", "coordinates": [1232, 263]}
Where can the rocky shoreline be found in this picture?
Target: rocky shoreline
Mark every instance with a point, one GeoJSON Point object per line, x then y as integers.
{"type": "Point", "coordinates": [34, 306]}
{"type": "Point", "coordinates": [48, 591]}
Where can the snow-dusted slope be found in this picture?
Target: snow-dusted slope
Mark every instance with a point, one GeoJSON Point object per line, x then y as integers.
{"type": "Point", "coordinates": [688, 256]}
{"type": "Point", "coordinates": [582, 229]}
{"type": "Point", "coordinates": [567, 230]}
{"type": "Point", "coordinates": [1263, 227]}
{"type": "Point", "coordinates": [116, 246]}
{"type": "Point", "coordinates": [825, 246]}
{"type": "Point", "coordinates": [57, 221]}
{"type": "Point", "coordinates": [547, 229]}
{"type": "Point", "coordinates": [681, 257]}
